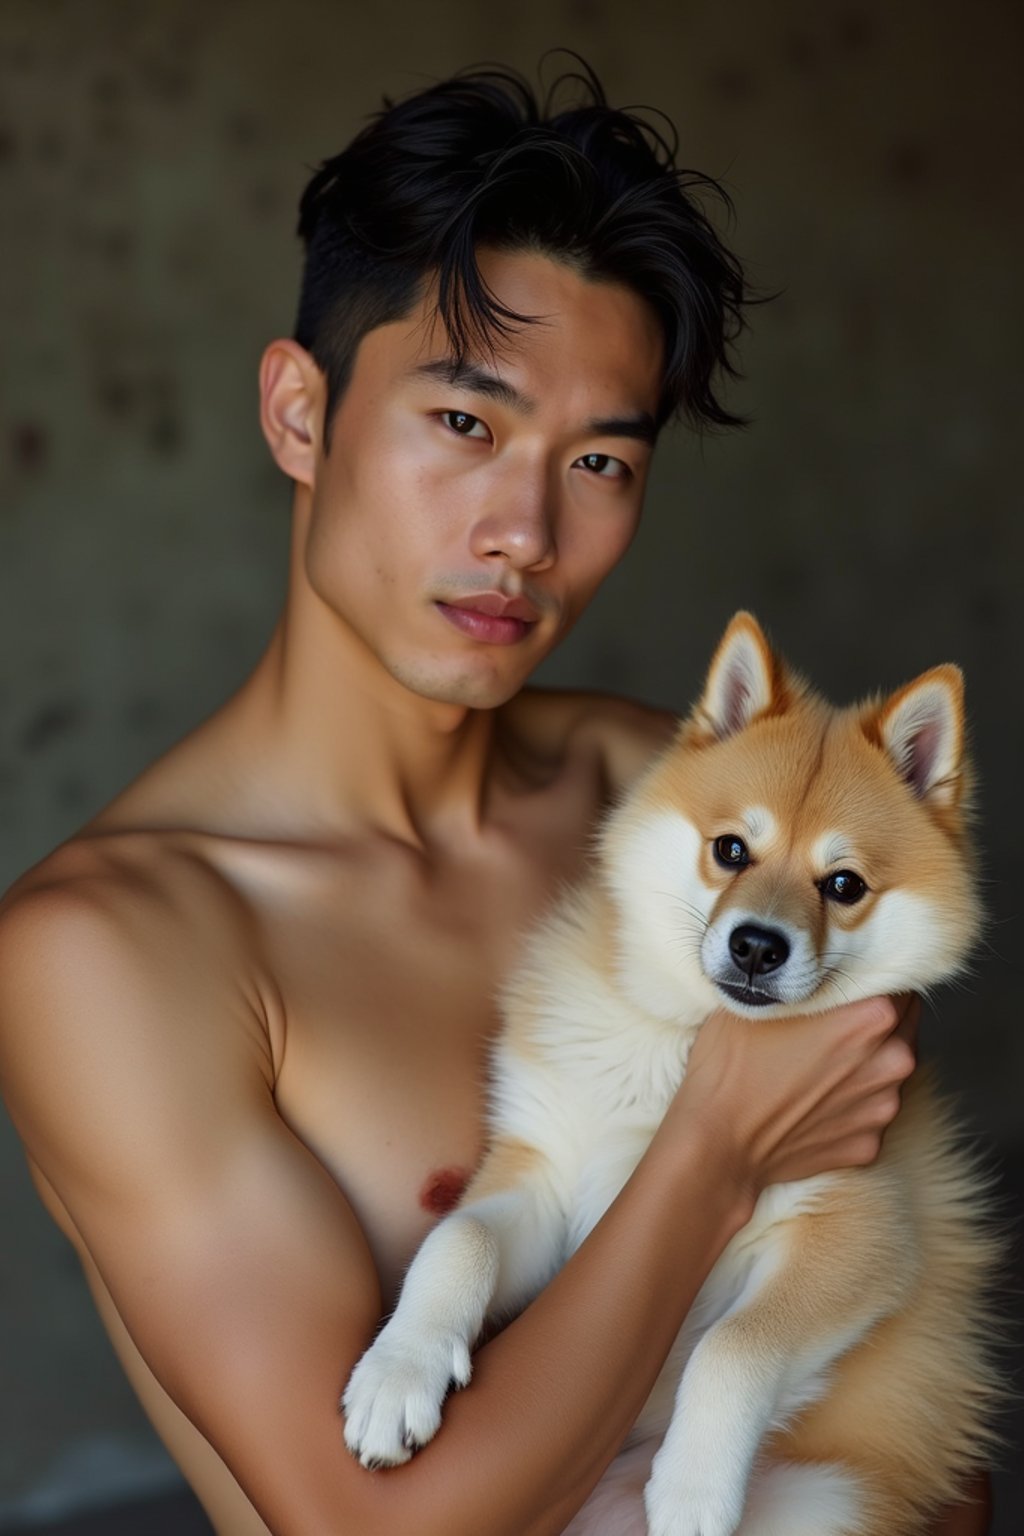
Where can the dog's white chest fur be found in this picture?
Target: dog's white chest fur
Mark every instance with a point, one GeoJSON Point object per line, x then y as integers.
{"type": "Point", "coordinates": [595, 1085]}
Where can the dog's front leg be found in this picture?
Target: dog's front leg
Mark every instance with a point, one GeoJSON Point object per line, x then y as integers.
{"type": "Point", "coordinates": [766, 1357]}
{"type": "Point", "coordinates": [489, 1256]}
{"type": "Point", "coordinates": [726, 1402]}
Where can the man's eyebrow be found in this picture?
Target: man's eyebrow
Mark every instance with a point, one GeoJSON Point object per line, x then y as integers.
{"type": "Point", "coordinates": [642, 426]}
{"type": "Point", "coordinates": [471, 376]}
{"type": "Point", "coordinates": [466, 375]}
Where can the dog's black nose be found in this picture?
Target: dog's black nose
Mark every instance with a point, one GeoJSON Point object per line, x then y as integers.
{"type": "Point", "coordinates": [758, 950]}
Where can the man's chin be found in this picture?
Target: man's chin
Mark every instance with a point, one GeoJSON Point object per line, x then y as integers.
{"type": "Point", "coordinates": [468, 688]}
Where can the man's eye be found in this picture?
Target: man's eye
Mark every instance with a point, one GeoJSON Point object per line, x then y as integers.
{"type": "Point", "coordinates": [464, 424]}
{"type": "Point", "coordinates": [604, 465]}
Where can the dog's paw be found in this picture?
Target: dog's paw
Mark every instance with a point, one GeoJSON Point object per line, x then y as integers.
{"type": "Point", "coordinates": [393, 1399]}
{"type": "Point", "coordinates": [684, 1506]}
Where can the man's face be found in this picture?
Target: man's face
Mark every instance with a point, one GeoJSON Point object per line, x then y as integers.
{"type": "Point", "coordinates": [462, 520]}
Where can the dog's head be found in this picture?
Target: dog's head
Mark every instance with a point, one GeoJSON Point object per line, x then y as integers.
{"type": "Point", "coordinates": [785, 856]}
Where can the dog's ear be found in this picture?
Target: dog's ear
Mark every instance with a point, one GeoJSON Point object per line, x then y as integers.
{"type": "Point", "coordinates": [745, 681]}
{"type": "Point", "coordinates": [921, 728]}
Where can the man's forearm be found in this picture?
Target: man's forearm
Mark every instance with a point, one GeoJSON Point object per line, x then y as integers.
{"type": "Point", "coordinates": [562, 1386]}
{"type": "Point", "coordinates": [555, 1394]}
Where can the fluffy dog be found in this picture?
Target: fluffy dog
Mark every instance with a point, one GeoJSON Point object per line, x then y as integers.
{"type": "Point", "coordinates": [781, 857]}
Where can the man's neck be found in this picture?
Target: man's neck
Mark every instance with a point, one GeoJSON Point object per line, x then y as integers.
{"type": "Point", "coordinates": [340, 746]}
{"type": "Point", "coordinates": [348, 748]}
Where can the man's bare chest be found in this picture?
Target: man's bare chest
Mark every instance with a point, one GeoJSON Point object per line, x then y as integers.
{"type": "Point", "coordinates": [386, 984]}
{"type": "Point", "coordinates": [383, 1070]}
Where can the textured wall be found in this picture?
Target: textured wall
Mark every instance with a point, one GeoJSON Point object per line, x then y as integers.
{"type": "Point", "coordinates": [151, 156]}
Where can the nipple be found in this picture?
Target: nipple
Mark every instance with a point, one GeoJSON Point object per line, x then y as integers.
{"type": "Point", "coordinates": [443, 1190]}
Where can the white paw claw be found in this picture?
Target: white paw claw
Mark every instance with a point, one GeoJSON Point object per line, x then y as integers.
{"type": "Point", "coordinates": [393, 1399]}
{"type": "Point", "coordinates": [677, 1508]}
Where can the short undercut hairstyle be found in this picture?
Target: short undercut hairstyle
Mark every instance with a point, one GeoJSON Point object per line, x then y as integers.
{"type": "Point", "coordinates": [478, 160]}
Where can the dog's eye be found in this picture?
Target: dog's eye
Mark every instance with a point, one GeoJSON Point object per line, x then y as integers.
{"type": "Point", "coordinates": [731, 851]}
{"type": "Point", "coordinates": [844, 886]}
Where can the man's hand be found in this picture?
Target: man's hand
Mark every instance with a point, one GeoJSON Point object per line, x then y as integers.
{"type": "Point", "coordinates": [790, 1098]}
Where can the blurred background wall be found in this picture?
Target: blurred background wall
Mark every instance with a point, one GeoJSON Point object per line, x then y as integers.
{"type": "Point", "coordinates": [151, 157]}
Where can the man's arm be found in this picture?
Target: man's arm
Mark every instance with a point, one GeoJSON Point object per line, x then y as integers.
{"type": "Point", "coordinates": [137, 1068]}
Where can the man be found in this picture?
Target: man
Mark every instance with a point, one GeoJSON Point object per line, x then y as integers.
{"type": "Point", "coordinates": [243, 1012]}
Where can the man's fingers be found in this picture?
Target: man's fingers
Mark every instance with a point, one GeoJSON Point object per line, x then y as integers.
{"type": "Point", "coordinates": [891, 1041]}
{"type": "Point", "coordinates": [902, 1043]}
{"type": "Point", "coordinates": [868, 1114]}
{"type": "Point", "coordinates": [895, 1060]}
{"type": "Point", "coordinates": [908, 1006]}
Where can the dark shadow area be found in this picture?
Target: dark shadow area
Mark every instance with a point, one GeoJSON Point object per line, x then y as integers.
{"type": "Point", "coordinates": [176, 1514]}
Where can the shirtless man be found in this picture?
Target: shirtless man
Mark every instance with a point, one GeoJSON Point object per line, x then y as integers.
{"type": "Point", "coordinates": [243, 1012]}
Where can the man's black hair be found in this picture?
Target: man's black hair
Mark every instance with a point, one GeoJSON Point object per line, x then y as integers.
{"type": "Point", "coordinates": [477, 160]}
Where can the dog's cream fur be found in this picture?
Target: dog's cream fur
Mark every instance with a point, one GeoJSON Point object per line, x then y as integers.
{"type": "Point", "coordinates": [831, 1378]}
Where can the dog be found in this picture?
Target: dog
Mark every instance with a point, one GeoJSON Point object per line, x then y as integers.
{"type": "Point", "coordinates": [782, 856]}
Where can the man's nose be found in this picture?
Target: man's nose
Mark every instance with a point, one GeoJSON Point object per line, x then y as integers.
{"type": "Point", "coordinates": [521, 532]}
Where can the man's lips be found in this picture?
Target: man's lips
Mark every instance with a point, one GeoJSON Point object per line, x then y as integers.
{"type": "Point", "coordinates": [497, 606]}
{"type": "Point", "coordinates": [490, 617]}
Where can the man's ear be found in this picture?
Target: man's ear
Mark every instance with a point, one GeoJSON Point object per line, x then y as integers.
{"type": "Point", "coordinates": [921, 730]}
{"type": "Point", "coordinates": [745, 681]}
{"type": "Point", "coordinates": [292, 402]}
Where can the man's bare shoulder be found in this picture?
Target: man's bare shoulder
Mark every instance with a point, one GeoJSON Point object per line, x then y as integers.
{"type": "Point", "coordinates": [129, 1021]}
{"type": "Point", "coordinates": [135, 877]}
{"type": "Point", "coordinates": [625, 734]}
{"type": "Point", "coordinates": [140, 912]}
